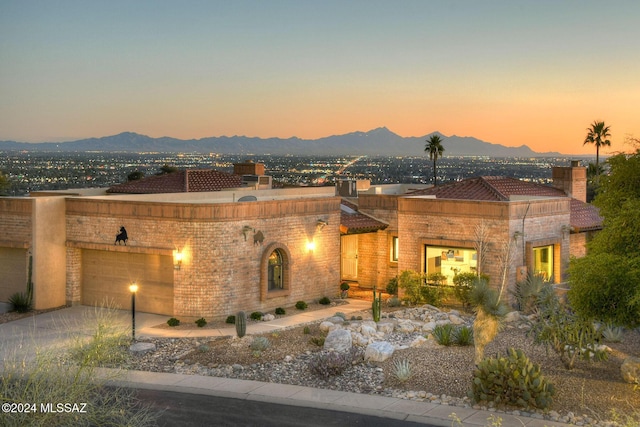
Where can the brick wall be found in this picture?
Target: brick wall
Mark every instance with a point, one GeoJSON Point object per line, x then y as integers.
{"type": "Point", "coordinates": [221, 270]}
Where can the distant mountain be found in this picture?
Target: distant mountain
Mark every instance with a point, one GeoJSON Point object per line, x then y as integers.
{"type": "Point", "coordinates": [380, 141]}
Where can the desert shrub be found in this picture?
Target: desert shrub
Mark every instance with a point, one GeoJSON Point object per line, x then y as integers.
{"type": "Point", "coordinates": [402, 370]}
{"type": "Point", "coordinates": [394, 302]}
{"type": "Point", "coordinates": [301, 305]}
{"type": "Point", "coordinates": [260, 344]}
{"type": "Point", "coordinates": [231, 319]}
{"type": "Point", "coordinates": [463, 335]}
{"type": "Point", "coordinates": [571, 336]}
{"type": "Point", "coordinates": [344, 286]}
{"type": "Point", "coordinates": [463, 283]}
{"type": "Point", "coordinates": [332, 363]}
{"type": "Point", "coordinates": [392, 286]}
{"type": "Point", "coordinates": [306, 330]}
{"type": "Point", "coordinates": [280, 311]}
{"type": "Point", "coordinates": [527, 291]}
{"type": "Point", "coordinates": [324, 301]}
{"type": "Point", "coordinates": [511, 380]}
{"type": "Point", "coordinates": [444, 334]}
{"type": "Point", "coordinates": [173, 322]}
{"type": "Point", "coordinates": [201, 322]}
{"type": "Point", "coordinates": [432, 295]}
{"type": "Point", "coordinates": [319, 341]}
{"type": "Point", "coordinates": [20, 302]}
{"type": "Point", "coordinates": [203, 348]}
{"type": "Point", "coordinates": [341, 315]}
{"type": "Point", "coordinates": [256, 315]}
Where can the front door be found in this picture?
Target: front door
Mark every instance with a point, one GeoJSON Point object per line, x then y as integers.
{"type": "Point", "coordinates": [349, 257]}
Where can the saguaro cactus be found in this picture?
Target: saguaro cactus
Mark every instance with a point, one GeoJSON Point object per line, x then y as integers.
{"type": "Point", "coordinates": [241, 324]}
{"type": "Point", "coordinates": [375, 305]}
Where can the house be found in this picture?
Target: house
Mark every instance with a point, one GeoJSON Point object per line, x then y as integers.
{"type": "Point", "coordinates": [246, 246]}
{"type": "Point", "coordinates": [436, 229]}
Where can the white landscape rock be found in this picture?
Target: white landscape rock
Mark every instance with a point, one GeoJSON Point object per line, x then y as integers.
{"type": "Point", "coordinates": [142, 347]}
{"type": "Point", "coordinates": [268, 317]}
{"type": "Point", "coordinates": [338, 340]}
{"type": "Point", "coordinates": [328, 326]}
{"type": "Point", "coordinates": [378, 351]}
{"type": "Point", "coordinates": [368, 331]}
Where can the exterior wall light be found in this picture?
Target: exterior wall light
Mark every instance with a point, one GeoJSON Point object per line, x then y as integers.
{"type": "Point", "coordinates": [320, 224]}
{"type": "Point", "coordinates": [311, 246]}
{"type": "Point", "coordinates": [177, 260]}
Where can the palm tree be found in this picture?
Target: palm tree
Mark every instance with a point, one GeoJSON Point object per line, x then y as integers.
{"type": "Point", "coordinates": [597, 135]}
{"type": "Point", "coordinates": [435, 149]}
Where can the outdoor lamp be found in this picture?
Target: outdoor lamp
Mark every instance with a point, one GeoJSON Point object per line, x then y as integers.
{"type": "Point", "coordinates": [133, 288]}
{"type": "Point", "coordinates": [177, 260]}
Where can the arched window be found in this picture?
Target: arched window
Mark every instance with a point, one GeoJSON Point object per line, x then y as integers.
{"type": "Point", "coordinates": [275, 271]}
{"type": "Point", "coordinates": [275, 267]}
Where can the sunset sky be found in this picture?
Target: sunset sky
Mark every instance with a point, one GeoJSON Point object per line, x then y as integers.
{"type": "Point", "coordinates": [510, 72]}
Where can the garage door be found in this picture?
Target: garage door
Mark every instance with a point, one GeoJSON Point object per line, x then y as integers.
{"type": "Point", "coordinates": [106, 276]}
{"type": "Point", "coordinates": [13, 272]}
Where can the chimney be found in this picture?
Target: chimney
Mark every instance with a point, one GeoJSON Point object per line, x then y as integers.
{"type": "Point", "coordinates": [572, 180]}
{"type": "Point", "coordinates": [248, 168]}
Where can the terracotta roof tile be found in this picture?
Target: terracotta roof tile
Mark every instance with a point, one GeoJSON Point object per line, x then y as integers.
{"type": "Point", "coordinates": [180, 182]}
{"type": "Point", "coordinates": [353, 221]}
{"type": "Point", "coordinates": [584, 216]}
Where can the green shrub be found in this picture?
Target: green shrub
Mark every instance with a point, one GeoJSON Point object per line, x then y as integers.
{"type": "Point", "coordinates": [280, 311]}
{"type": "Point", "coordinates": [301, 305]}
{"type": "Point", "coordinates": [324, 301]}
{"type": "Point", "coordinates": [203, 348]}
{"type": "Point", "coordinates": [463, 335]}
{"type": "Point", "coordinates": [431, 294]}
{"type": "Point", "coordinates": [392, 286]}
{"type": "Point", "coordinates": [344, 286]}
{"type": "Point", "coordinates": [231, 319]}
{"type": "Point", "coordinates": [340, 315]}
{"type": "Point", "coordinates": [173, 322]}
{"type": "Point", "coordinates": [256, 315]}
{"type": "Point", "coordinates": [511, 380]}
{"type": "Point", "coordinates": [463, 283]}
{"type": "Point", "coordinates": [444, 334]}
{"type": "Point", "coordinates": [306, 330]}
{"type": "Point", "coordinates": [20, 302]}
{"type": "Point", "coordinates": [411, 282]}
{"type": "Point", "coordinates": [319, 341]}
{"type": "Point", "coordinates": [201, 322]}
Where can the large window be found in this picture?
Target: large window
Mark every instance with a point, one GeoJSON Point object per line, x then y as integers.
{"type": "Point", "coordinates": [275, 267]}
{"type": "Point", "coordinates": [543, 261]}
{"type": "Point", "coordinates": [449, 261]}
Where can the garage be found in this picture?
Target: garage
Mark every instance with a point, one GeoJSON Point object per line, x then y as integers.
{"type": "Point", "coordinates": [13, 271]}
{"type": "Point", "coordinates": [106, 276]}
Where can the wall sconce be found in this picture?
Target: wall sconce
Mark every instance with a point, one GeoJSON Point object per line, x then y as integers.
{"type": "Point", "coordinates": [566, 229]}
{"type": "Point", "coordinates": [517, 235]}
{"type": "Point", "coordinates": [245, 230]}
{"type": "Point", "coordinates": [177, 260]}
{"type": "Point", "coordinates": [311, 246]}
{"type": "Point", "coordinates": [320, 224]}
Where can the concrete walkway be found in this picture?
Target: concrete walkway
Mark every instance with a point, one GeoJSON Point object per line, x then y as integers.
{"type": "Point", "coordinates": [56, 327]}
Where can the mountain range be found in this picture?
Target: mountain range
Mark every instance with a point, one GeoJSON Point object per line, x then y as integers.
{"type": "Point", "coordinates": [376, 142]}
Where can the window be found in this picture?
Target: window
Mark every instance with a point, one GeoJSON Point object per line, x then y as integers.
{"type": "Point", "coordinates": [394, 249]}
{"type": "Point", "coordinates": [275, 267]}
{"type": "Point", "coordinates": [449, 261]}
{"type": "Point", "coordinates": [543, 261]}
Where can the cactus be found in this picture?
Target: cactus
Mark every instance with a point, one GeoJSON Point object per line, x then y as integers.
{"type": "Point", "coordinates": [241, 324]}
{"type": "Point", "coordinates": [511, 380]}
{"type": "Point", "coordinates": [375, 305]}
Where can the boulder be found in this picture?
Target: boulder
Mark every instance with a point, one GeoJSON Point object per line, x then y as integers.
{"type": "Point", "coordinates": [418, 342]}
{"type": "Point", "coordinates": [378, 351]}
{"type": "Point", "coordinates": [386, 327]}
{"type": "Point", "coordinates": [328, 326]}
{"type": "Point", "coordinates": [455, 319]}
{"type": "Point", "coordinates": [359, 339]}
{"type": "Point", "coordinates": [429, 326]}
{"type": "Point", "coordinates": [368, 331]}
{"type": "Point", "coordinates": [336, 319]}
{"type": "Point", "coordinates": [630, 370]}
{"type": "Point", "coordinates": [268, 317]}
{"type": "Point", "coordinates": [338, 340]}
{"type": "Point", "coordinates": [512, 316]}
{"type": "Point", "coordinates": [405, 327]}
{"type": "Point", "coordinates": [142, 347]}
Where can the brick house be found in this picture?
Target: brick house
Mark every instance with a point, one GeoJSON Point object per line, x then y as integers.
{"type": "Point", "coordinates": [196, 252]}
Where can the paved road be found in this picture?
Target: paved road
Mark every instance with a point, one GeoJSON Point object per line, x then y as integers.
{"type": "Point", "coordinates": [193, 410]}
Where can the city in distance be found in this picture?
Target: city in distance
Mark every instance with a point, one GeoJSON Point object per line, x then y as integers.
{"type": "Point", "coordinates": [41, 171]}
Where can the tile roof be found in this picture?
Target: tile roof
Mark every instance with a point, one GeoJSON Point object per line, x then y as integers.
{"type": "Point", "coordinates": [194, 180]}
{"type": "Point", "coordinates": [353, 221]}
{"type": "Point", "coordinates": [584, 216]}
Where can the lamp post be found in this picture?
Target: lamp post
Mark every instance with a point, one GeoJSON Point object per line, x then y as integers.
{"type": "Point", "coordinates": [133, 288]}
